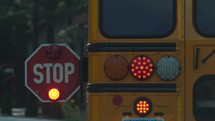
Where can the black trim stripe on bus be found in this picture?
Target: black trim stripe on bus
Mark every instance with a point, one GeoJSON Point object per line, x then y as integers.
{"type": "Point", "coordinates": [119, 87]}
{"type": "Point", "coordinates": [113, 47]}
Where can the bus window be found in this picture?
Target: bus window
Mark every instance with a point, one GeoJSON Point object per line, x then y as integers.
{"type": "Point", "coordinates": [137, 18]}
{"type": "Point", "coordinates": [204, 17]}
{"type": "Point", "coordinates": [204, 98]}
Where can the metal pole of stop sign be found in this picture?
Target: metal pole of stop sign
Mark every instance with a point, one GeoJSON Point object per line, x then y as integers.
{"type": "Point", "coordinates": [83, 75]}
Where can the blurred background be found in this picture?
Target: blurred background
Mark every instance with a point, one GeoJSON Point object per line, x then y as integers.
{"type": "Point", "coordinates": [24, 25]}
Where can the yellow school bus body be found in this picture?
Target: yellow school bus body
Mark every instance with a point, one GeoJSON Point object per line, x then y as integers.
{"type": "Point", "coordinates": [176, 102]}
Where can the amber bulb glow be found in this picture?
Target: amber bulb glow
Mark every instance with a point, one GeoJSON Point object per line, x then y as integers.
{"type": "Point", "coordinates": [54, 94]}
{"type": "Point", "coordinates": [143, 106]}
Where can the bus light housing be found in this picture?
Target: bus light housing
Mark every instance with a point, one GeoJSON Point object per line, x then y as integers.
{"type": "Point", "coordinates": [142, 67]}
{"type": "Point", "coordinates": [116, 67]}
{"type": "Point", "coordinates": [168, 68]}
{"type": "Point", "coordinates": [142, 107]}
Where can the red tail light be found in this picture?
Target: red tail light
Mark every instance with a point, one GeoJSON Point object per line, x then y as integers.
{"type": "Point", "coordinates": [142, 107]}
{"type": "Point", "coordinates": [142, 67]}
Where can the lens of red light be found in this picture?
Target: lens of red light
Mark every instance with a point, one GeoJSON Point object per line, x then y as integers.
{"type": "Point", "coordinates": [53, 52]}
{"type": "Point", "coordinates": [142, 107]}
{"type": "Point", "coordinates": [142, 67]}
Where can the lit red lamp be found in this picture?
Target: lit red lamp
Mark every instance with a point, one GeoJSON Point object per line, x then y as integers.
{"type": "Point", "coordinates": [142, 67]}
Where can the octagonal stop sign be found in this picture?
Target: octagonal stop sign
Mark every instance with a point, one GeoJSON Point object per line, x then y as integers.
{"type": "Point", "coordinates": [52, 72]}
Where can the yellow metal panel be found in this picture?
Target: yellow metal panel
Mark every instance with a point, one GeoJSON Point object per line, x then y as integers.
{"type": "Point", "coordinates": [193, 74]}
{"type": "Point", "coordinates": [93, 107]}
{"type": "Point", "coordinates": [168, 103]}
{"type": "Point", "coordinates": [101, 107]}
{"type": "Point", "coordinates": [206, 45]}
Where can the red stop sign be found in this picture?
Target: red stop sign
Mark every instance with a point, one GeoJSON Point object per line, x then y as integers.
{"type": "Point", "coordinates": [52, 67]}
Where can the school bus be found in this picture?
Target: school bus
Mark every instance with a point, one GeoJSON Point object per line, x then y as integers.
{"type": "Point", "coordinates": [151, 60]}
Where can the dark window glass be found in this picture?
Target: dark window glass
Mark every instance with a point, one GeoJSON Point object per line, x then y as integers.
{"type": "Point", "coordinates": [204, 17]}
{"type": "Point", "coordinates": [137, 18]}
{"type": "Point", "coordinates": [204, 98]}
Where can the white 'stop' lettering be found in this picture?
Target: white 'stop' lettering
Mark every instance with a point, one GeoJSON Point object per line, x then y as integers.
{"type": "Point", "coordinates": [60, 72]}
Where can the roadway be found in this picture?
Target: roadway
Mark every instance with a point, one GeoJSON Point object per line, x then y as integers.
{"type": "Point", "coordinates": [18, 114]}
{"type": "Point", "coordinates": [12, 118]}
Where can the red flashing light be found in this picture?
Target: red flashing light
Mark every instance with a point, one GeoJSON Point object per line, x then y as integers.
{"type": "Point", "coordinates": [142, 67]}
{"type": "Point", "coordinates": [54, 52]}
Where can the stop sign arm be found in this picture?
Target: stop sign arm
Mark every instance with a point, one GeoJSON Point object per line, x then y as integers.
{"type": "Point", "coordinates": [55, 69]}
